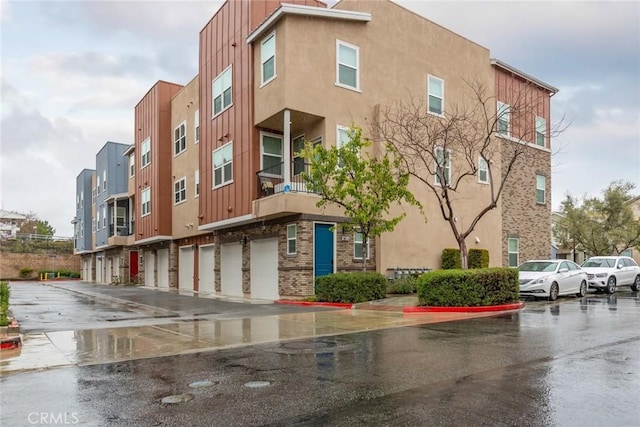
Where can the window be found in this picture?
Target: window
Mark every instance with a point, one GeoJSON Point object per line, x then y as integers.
{"type": "Point", "coordinates": [82, 199]}
{"type": "Point", "coordinates": [77, 201]}
{"type": "Point", "coordinates": [347, 65]}
{"type": "Point", "coordinates": [132, 165]}
{"type": "Point", "coordinates": [298, 161]}
{"type": "Point", "coordinates": [271, 154]}
{"type": "Point", "coordinates": [104, 180]}
{"type": "Point", "coordinates": [145, 198]}
{"type": "Point", "coordinates": [145, 152]}
{"type": "Point", "coordinates": [98, 186]}
{"type": "Point", "coordinates": [291, 239]}
{"type": "Point", "coordinates": [626, 252]}
{"type": "Point", "coordinates": [81, 229]}
{"type": "Point", "coordinates": [541, 131]}
{"type": "Point", "coordinates": [435, 92]}
{"type": "Point", "coordinates": [357, 245]}
{"type": "Point", "coordinates": [222, 91]}
{"type": "Point", "coordinates": [180, 190]}
{"type": "Point", "coordinates": [180, 138]}
{"type": "Point", "coordinates": [196, 124]}
{"type": "Point", "coordinates": [93, 196]}
{"type": "Point", "coordinates": [98, 219]}
{"type": "Point", "coordinates": [540, 188]}
{"type": "Point", "coordinates": [513, 247]}
{"type": "Point", "coordinates": [483, 171]}
{"type": "Point", "coordinates": [268, 58]}
{"type": "Point", "coordinates": [443, 166]}
{"type": "Point", "coordinates": [196, 180]}
{"type": "Point", "coordinates": [504, 118]}
{"type": "Point", "coordinates": [223, 165]}
{"type": "Point", "coordinates": [341, 139]}
{"type": "Point", "coordinates": [104, 216]}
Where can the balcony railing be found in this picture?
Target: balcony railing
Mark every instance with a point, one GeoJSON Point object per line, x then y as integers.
{"type": "Point", "coordinates": [271, 181]}
{"type": "Point", "coordinates": [122, 230]}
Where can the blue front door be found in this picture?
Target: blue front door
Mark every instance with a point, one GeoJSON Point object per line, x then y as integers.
{"type": "Point", "coordinates": [323, 249]}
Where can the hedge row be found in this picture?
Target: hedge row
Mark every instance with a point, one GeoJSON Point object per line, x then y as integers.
{"type": "Point", "coordinates": [4, 303]}
{"type": "Point", "coordinates": [351, 287]}
{"type": "Point", "coordinates": [478, 258]}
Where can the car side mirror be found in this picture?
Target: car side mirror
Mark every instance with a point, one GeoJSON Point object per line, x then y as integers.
{"type": "Point", "coordinates": [620, 266]}
{"type": "Point", "coordinates": [563, 270]}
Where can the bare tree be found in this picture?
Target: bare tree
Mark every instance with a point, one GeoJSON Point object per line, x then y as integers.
{"type": "Point", "coordinates": [469, 130]}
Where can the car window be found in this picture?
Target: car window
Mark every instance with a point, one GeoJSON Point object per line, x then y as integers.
{"type": "Point", "coordinates": [632, 262]}
{"type": "Point", "coordinates": [538, 266]}
{"type": "Point", "coordinates": [573, 265]}
{"type": "Point", "coordinates": [599, 262]}
{"type": "Point", "coordinates": [564, 265]}
{"type": "Point", "coordinates": [628, 262]}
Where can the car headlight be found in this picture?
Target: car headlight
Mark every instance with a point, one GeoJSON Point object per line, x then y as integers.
{"type": "Point", "coordinates": [539, 281]}
{"type": "Point", "coordinates": [602, 274]}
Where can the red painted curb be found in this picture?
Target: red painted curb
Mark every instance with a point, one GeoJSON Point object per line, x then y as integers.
{"type": "Point", "coordinates": [503, 307]}
{"type": "Point", "coordinates": [10, 343]}
{"type": "Point", "coordinates": [319, 304]}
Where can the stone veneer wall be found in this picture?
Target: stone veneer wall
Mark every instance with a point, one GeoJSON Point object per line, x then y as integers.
{"type": "Point", "coordinates": [522, 216]}
{"type": "Point", "coordinates": [173, 261]}
{"type": "Point", "coordinates": [295, 272]}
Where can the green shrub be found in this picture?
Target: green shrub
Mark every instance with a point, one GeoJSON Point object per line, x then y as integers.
{"type": "Point", "coordinates": [469, 288]}
{"type": "Point", "coordinates": [451, 259]}
{"type": "Point", "coordinates": [351, 287]}
{"type": "Point", "coordinates": [26, 272]}
{"type": "Point", "coordinates": [403, 285]}
{"type": "Point", "coordinates": [4, 303]}
{"type": "Point", "coordinates": [478, 258]}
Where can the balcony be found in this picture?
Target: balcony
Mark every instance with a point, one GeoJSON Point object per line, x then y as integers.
{"type": "Point", "coordinates": [277, 198]}
{"type": "Point", "coordinates": [118, 235]}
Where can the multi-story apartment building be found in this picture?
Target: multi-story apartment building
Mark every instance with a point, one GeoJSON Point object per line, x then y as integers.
{"type": "Point", "coordinates": [83, 221]}
{"type": "Point", "coordinates": [214, 177]}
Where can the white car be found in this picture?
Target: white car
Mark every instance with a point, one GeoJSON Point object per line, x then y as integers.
{"type": "Point", "coordinates": [606, 273]}
{"type": "Point", "coordinates": [552, 278]}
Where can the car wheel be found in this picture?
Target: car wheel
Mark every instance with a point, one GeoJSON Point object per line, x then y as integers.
{"type": "Point", "coordinates": [636, 284]}
{"type": "Point", "coordinates": [583, 289]}
{"type": "Point", "coordinates": [553, 291]}
{"type": "Point", "coordinates": [611, 285]}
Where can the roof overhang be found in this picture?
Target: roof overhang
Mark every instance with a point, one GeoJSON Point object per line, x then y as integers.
{"type": "Point", "coordinates": [231, 222]}
{"type": "Point", "coordinates": [115, 197]}
{"type": "Point", "coordinates": [310, 11]}
{"type": "Point", "coordinates": [496, 62]}
{"type": "Point", "coordinates": [154, 239]}
{"type": "Point", "coordinates": [129, 150]}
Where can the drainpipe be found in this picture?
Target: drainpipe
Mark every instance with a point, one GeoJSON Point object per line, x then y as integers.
{"type": "Point", "coordinates": [286, 155]}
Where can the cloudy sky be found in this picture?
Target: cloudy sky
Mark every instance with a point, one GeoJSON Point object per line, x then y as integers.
{"type": "Point", "coordinates": [72, 72]}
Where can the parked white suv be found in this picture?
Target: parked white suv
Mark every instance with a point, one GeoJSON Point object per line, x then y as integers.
{"type": "Point", "coordinates": [605, 273]}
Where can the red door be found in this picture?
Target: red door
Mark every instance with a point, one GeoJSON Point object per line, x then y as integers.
{"type": "Point", "coordinates": [133, 266]}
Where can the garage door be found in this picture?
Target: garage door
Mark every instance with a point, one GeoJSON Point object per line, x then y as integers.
{"type": "Point", "coordinates": [185, 264]}
{"type": "Point", "coordinates": [231, 269]}
{"type": "Point", "coordinates": [149, 269]}
{"type": "Point", "coordinates": [264, 269]}
{"type": "Point", "coordinates": [163, 268]}
{"type": "Point", "coordinates": [206, 274]}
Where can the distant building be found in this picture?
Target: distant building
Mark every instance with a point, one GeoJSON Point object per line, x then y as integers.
{"type": "Point", "coordinates": [10, 223]}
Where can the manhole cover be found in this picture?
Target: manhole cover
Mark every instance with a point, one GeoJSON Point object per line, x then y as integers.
{"type": "Point", "coordinates": [312, 347]}
{"type": "Point", "coordinates": [177, 398]}
{"type": "Point", "coordinates": [308, 345]}
{"type": "Point", "coordinates": [203, 383]}
{"type": "Point", "coordinates": [257, 384]}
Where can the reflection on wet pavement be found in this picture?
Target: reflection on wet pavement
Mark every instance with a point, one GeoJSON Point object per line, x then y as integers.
{"type": "Point", "coordinates": [92, 346]}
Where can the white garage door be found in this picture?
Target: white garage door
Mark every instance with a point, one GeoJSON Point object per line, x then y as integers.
{"type": "Point", "coordinates": [231, 269]}
{"type": "Point", "coordinates": [264, 269]}
{"type": "Point", "coordinates": [149, 267]}
{"type": "Point", "coordinates": [163, 268]}
{"type": "Point", "coordinates": [99, 270]}
{"type": "Point", "coordinates": [206, 274]}
{"type": "Point", "coordinates": [185, 263]}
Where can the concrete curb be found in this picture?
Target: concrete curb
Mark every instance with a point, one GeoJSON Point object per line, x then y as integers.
{"type": "Point", "coordinates": [434, 309]}
{"type": "Point", "coordinates": [343, 305]}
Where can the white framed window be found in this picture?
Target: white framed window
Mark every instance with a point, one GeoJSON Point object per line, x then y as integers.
{"type": "Point", "coordinates": [342, 135]}
{"type": "Point", "coordinates": [104, 180]}
{"type": "Point", "coordinates": [98, 185]}
{"type": "Point", "coordinates": [222, 87]}
{"type": "Point", "coordinates": [483, 171]}
{"type": "Point", "coordinates": [196, 182]}
{"type": "Point", "coordinates": [504, 118]}
{"type": "Point", "coordinates": [223, 165]}
{"type": "Point", "coordinates": [196, 126]}
{"type": "Point", "coordinates": [357, 245]}
{"type": "Point", "coordinates": [541, 182]}
{"type": "Point", "coordinates": [81, 229]}
{"type": "Point", "coordinates": [145, 200]}
{"type": "Point", "coordinates": [180, 190]}
{"type": "Point", "coordinates": [98, 219]}
{"type": "Point", "coordinates": [268, 58]}
{"type": "Point", "coordinates": [81, 199]}
{"type": "Point", "coordinates": [132, 165]}
{"type": "Point", "coordinates": [627, 252]}
{"type": "Point", "coordinates": [435, 95]}
{"type": "Point", "coordinates": [442, 166]}
{"type": "Point", "coordinates": [93, 196]}
{"type": "Point", "coordinates": [77, 201]}
{"type": "Point", "coordinates": [541, 131]}
{"type": "Point", "coordinates": [292, 232]}
{"type": "Point", "coordinates": [271, 154]}
{"type": "Point", "coordinates": [347, 65]}
{"type": "Point", "coordinates": [298, 161]}
{"type": "Point", "coordinates": [145, 152]}
{"type": "Point", "coordinates": [180, 138]}
{"type": "Point", "coordinates": [104, 216]}
{"type": "Point", "coordinates": [513, 249]}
